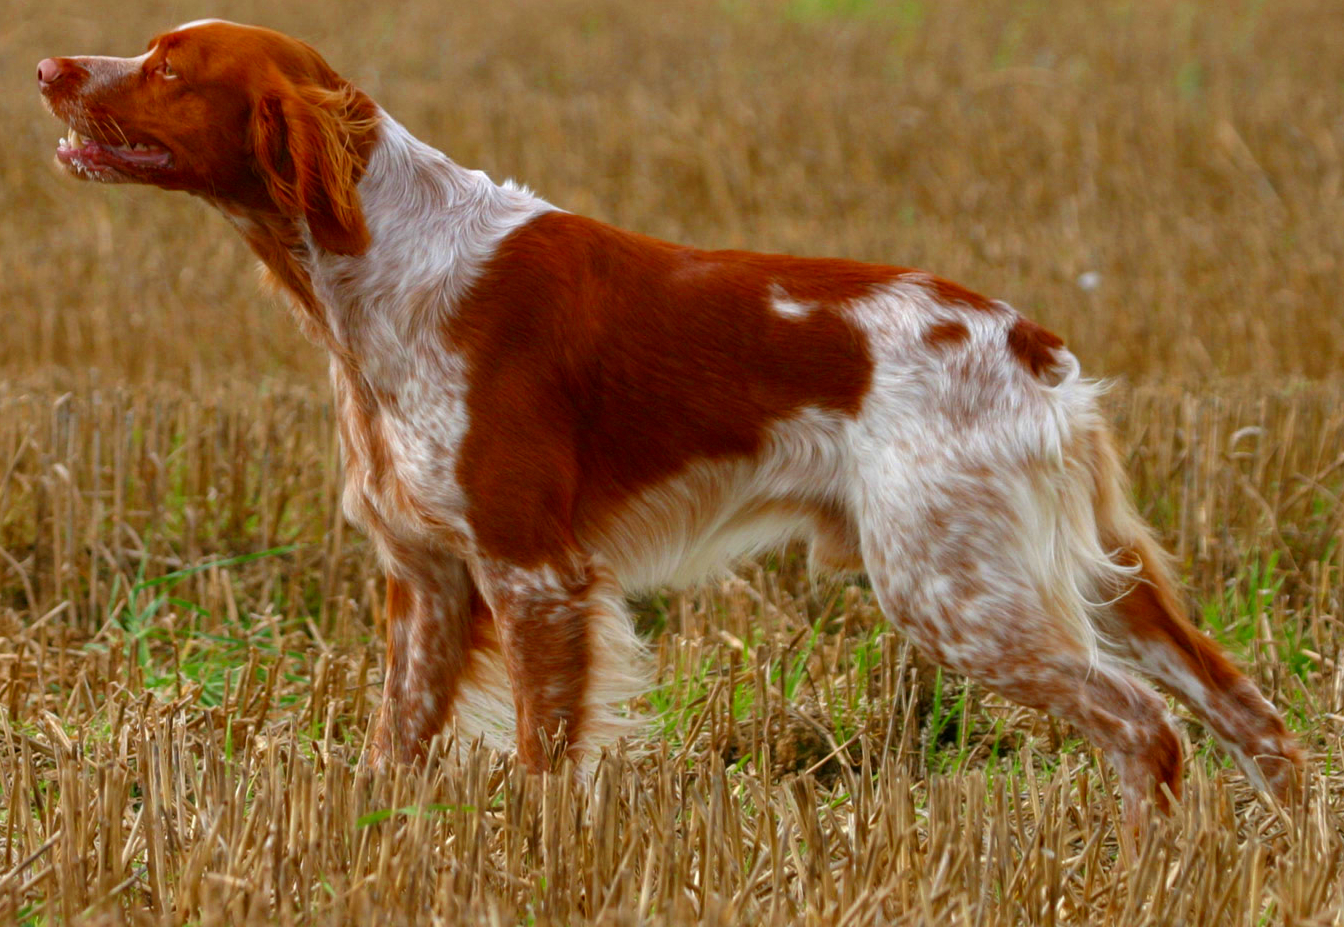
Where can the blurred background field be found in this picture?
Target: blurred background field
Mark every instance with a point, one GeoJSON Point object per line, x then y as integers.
{"type": "Point", "coordinates": [1162, 183]}
{"type": "Point", "coordinates": [1188, 155]}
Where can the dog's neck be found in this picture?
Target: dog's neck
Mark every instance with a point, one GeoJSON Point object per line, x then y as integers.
{"type": "Point", "coordinates": [432, 224]}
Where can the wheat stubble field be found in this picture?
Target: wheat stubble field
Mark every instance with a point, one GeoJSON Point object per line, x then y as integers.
{"type": "Point", "coordinates": [189, 635]}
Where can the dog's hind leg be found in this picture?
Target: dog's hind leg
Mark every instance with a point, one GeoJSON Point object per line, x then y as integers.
{"type": "Point", "coordinates": [1148, 626]}
{"type": "Point", "coordinates": [953, 578]}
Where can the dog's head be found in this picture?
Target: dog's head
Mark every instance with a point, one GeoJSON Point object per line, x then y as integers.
{"type": "Point", "coordinates": [249, 118]}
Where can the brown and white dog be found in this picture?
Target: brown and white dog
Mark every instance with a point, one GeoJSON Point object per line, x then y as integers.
{"type": "Point", "coordinates": [540, 413]}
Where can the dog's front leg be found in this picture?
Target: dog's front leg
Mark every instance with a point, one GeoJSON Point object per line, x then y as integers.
{"type": "Point", "coordinates": [546, 617]}
{"type": "Point", "coordinates": [431, 611]}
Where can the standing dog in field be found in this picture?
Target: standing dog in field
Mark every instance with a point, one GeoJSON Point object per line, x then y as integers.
{"type": "Point", "coordinates": [539, 413]}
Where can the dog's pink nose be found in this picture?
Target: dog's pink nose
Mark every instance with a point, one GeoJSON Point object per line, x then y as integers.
{"type": "Point", "coordinates": [49, 71]}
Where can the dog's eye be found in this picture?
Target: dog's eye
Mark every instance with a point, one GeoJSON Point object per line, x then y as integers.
{"type": "Point", "coordinates": [165, 70]}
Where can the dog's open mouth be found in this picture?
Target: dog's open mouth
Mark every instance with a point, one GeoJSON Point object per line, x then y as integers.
{"type": "Point", "coordinates": [103, 161]}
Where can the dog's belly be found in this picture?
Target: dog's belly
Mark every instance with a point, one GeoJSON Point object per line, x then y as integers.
{"type": "Point", "coordinates": [716, 511]}
{"type": "Point", "coordinates": [646, 552]}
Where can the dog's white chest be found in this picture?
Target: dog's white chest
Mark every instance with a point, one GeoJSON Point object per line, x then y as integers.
{"type": "Point", "coordinates": [401, 434]}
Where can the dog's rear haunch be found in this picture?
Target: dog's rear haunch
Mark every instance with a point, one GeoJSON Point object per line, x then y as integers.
{"type": "Point", "coordinates": [540, 413]}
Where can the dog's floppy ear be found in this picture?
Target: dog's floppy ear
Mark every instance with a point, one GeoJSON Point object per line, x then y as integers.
{"type": "Point", "coordinates": [307, 142]}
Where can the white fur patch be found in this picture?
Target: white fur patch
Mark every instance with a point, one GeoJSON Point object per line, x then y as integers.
{"type": "Point", "coordinates": [199, 22]}
{"type": "Point", "coordinates": [785, 305]}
